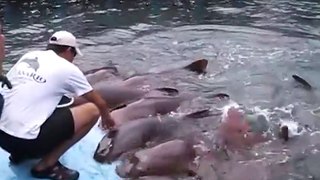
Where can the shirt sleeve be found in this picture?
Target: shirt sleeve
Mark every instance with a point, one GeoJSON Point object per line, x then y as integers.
{"type": "Point", "coordinates": [76, 82]}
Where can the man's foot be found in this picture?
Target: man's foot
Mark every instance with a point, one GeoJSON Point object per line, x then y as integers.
{"type": "Point", "coordinates": [56, 172]}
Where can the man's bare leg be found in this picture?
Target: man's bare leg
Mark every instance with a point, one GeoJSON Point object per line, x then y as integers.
{"type": "Point", "coordinates": [85, 117]}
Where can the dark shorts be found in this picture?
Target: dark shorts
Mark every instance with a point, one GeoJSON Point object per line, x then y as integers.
{"type": "Point", "coordinates": [58, 128]}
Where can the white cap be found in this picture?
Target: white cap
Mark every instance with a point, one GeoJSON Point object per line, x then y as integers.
{"type": "Point", "coordinates": [65, 38]}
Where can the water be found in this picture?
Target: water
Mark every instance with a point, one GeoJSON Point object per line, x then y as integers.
{"type": "Point", "coordinates": [253, 46]}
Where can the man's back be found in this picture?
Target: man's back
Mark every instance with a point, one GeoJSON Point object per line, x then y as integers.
{"type": "Point", "coordinates": [39, 81]}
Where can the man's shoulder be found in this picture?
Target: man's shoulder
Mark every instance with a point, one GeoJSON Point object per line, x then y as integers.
{"type": "Point", "coordinates": [70, 68]}
{"type": "Point", "coordinates": [31, 53]}
{"type": "Point", "coordinates": [50, 58]}
{"type": "Point", "coordinates": [75, 70]}
{"type": "Point", "coordinates": [45, 54]}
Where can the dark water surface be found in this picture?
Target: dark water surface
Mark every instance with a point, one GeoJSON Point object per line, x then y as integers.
{"type": "Point", "coordinates": [253, 46]}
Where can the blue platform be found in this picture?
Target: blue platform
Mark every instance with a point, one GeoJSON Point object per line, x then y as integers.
{"type": "Point", "coordinates": [79, 157]}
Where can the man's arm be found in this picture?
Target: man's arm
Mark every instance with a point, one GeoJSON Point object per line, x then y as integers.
{"type": "Point", "coordinates": [77, 84]}
{"type": "Point", "coordinates": [3, 78]}
{"type": "Point", "coordinates": [2, 41]}
{"type": "Point", "coordinates": [95, 98]}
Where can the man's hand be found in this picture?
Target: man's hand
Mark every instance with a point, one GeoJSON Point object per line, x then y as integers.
{"type": "Point", "coordinates": [5, 81]}
{"type": "Point", "coordinates": [106, 121]}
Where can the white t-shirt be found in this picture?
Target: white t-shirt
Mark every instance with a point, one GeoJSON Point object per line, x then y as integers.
{"type": "Point", "coordinates": [39, 80]}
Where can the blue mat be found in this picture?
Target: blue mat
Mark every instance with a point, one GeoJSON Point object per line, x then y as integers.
{"type": "Point", "coordinates": [79, 157]}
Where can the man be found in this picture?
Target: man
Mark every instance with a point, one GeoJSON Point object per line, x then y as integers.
{"type": "Point", "coordinates": [3, 78]}
{"type": "Point", "coordinates": [30, 125]}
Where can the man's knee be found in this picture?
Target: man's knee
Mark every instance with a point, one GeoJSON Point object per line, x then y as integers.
{"type": "Point", "coordinates": [87, 112]}
{"type": "Point", "coordinates": [93, 110]}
